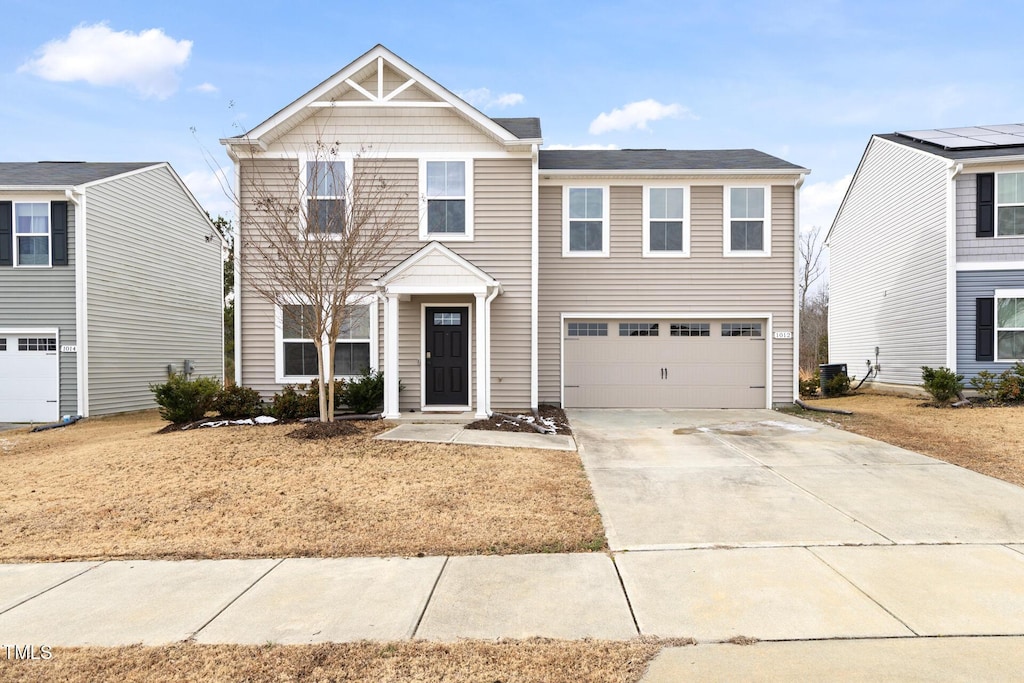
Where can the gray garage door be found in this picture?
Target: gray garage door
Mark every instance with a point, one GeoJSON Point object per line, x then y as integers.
{"type": "Point", "coordinates": [658, 363]}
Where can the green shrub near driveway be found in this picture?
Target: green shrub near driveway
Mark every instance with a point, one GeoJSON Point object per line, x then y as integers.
{"type": "Point", "coordinates": [183, 400]}
{"type": "Point", "coordinates": [238, 403]}
{"type": "Point", "coordinates": [942, 383]}
{"type": "Point", "coordinates": [1006, 387]}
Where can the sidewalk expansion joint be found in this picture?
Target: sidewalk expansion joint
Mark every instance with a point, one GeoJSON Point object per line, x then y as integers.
{"type": "Point", "coordinates": [233, 600]}
{"type": "Point", "coordinates": [625, 594]}
{"type": "Point", "coordinates": [430, 596]}
{"type": "Point", "coordinates": [56, 585]}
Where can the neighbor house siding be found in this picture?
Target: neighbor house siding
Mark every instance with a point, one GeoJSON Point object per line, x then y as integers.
{"type": "Point", "coordinates": [704, 285]}
{"type": "Point", "coordinates": [969, 247]}
{"type": "Point", "coordinates": [155, 289]}
{"type": "Point", "coordinates": [45, 297]}
{"type": "Point", "coordinates": [969, 287]}
{"type": "Point", "coordinates": [887, 285]}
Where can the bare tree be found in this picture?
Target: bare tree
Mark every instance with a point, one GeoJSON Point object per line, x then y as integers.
{"type": "Point", "coordinates": [813, 304]}
{"type": "Point", "coordinates": [812, 267]}
{"type": "Point", "coordinates": [315, 237]}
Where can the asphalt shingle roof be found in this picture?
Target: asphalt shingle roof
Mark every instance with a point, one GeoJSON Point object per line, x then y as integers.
{"type": "Point", "coordinates": [524, 128]}
{"type": "Point", "coordinates": [955, 154]}
{"type": "Point", "coordinates": [662, 160]}
{"type": "Point", "coordinates": [62, 173]}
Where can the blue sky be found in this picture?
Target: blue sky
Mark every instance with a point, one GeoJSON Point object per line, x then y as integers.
{"type": "Point", "coordinates": [806, 81]}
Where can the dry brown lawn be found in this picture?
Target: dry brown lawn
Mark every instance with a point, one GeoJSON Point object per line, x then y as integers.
{"type": "Point", "coordinates": [551, 661]}
{"type": "Point", "coordinates": [113, 488]}
{"type": "Point", "coordinates": [989, 440]}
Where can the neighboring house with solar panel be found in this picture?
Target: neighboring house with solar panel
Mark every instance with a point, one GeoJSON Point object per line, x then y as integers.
{"type": "Point", "coordinates": [641, 278]}
{"type": "Point", "coordinates": [109, 273]}
{"type": "Point", "coordinates": [927, 254]}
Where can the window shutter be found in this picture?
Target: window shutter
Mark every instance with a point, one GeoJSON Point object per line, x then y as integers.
{"type": "Point", "coordinates": [986, 205]}
{"type": "Point", "coordinates": [6, 234]}
{"type": "Point", "coordinates": [59, 232]}
{"type": "Point", "coordinates": [984, 329]}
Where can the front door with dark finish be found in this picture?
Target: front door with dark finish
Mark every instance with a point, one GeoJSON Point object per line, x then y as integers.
{"type": "Point", "coordinates": [447, 356]}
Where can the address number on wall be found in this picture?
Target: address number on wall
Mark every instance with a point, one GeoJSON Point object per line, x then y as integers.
{"type": "Point", "coordinates": [783, 335]}
{"type": "Point", "coordinates": [68, 348]}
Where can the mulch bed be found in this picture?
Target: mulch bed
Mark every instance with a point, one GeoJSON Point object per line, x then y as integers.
{"type": "Point", "coordinates": [550, 415]}
{"type": "Point", "coordinates": [325, 430]}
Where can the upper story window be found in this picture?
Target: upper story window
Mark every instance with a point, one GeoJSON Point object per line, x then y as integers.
{"type": "Point", "coordinates": [1009, 204]}
{"type": "Point", "coordinates": [447, 188]}
{"type": "Point", "coordinates": [747, 226]}
{"type": "Point", "coordinates": [1010, 325]}
{"type": "Point", "coordinates": [585, 223]}
{"type": "Point", "coordinates": [32, 233]}
{"type": "Point", "coordinates": [325, 196]}
{"type": "Point", "coordinates": [666, 228]}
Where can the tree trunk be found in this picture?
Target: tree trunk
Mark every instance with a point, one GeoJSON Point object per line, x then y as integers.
{"type": "Point", "coordinates": [318, 344]}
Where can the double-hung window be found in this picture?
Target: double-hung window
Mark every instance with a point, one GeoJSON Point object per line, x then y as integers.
{"type": "Point", "coordinates": [666, 229]}
{"type": "Point", "coordinates": [447, 190]}
{"type": "Point", "coordinates": [32, 233]}
{"type": "Point", "coordinates": [585, 227]}
{"type": "Point", "coordinates": [1010, 325]}
{"type": "Point", "coordinates": [325, 197]}
{"type": "Point", "coordinates": [747, 224]}
{"type": "Point", "coordinates": [298, 352]}
{"type": "Point", "coordinates": [1009, 204]}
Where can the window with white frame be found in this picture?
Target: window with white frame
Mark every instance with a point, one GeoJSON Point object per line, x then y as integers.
{"type": "Point", "coordinates": [351, 353]}
{"type": "Point", "coordinates": [586, 222]}
{"type": "Point", "coordinates": [1010, 325]}
{"type": "Point", "coordinates": [666, 230]}
{"type": "Point", "coordinates": [1009, 204]}
{"type": "Point", "coordinates": [32, 233]}
{"type": "Point", "coordinates": [747, 228]}
{"type": "Point", "coordinates": [446, 191]}
{"type": "Point", "coordinates": [325, 197]}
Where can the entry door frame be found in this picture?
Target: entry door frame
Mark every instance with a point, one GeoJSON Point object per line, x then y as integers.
{"type": "Point", "coordinates": [424, 407]}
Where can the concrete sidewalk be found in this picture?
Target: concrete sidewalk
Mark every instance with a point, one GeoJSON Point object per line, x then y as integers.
{"type": "Point", "coordinates": [710, 595]}
{"type": "Point", "coordinates": [455, 433]}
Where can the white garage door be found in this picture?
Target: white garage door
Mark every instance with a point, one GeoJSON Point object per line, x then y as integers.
{"type": "Point", "coordinates": [640, 363]}
{"type": "Point", "coordinates": [29, 379]}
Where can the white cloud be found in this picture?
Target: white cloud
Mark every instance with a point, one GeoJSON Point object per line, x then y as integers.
{"type": "Point", "coordinates": [604, 147]}
{"type": "Point", "coordinates": [206, 87]}
{"type": "Point", "coordinates": [483, 98]}
{"type": "Point", "coordinates": [148, 61]}
{"type": "Point", "coordinates": [637, 115]}
{"type": "Point", "coordinates": [820, 201]}
{"type": "Point", "coordinates": [212, 190]}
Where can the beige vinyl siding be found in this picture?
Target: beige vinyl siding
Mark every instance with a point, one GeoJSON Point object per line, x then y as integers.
{"type": "Point", "coordinates": [706, 283]}
{"type": "Point", "coordinates": [969, 247]}
{"type": "Point", "coordinates": [887, 250]}
{"type": "Point", "coordinates": [45, 297]}
{"type": "Point", "coordinates": [501, 248]}
{"type": "Point", "coordinates": [155, 289]}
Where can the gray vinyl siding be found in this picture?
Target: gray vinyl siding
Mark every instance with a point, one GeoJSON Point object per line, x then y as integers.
{"type": "Point", "coordinates": [887, 250]}
{"type": "Point", "coordinates": [969, 247]}
{"type": "Point", "coordinates": [45, 297]}
{"type": "Point", "coordinates": [971, 286]}
{"type": "Point", "coordinates": [705, 283]}
{"type": "Point", "coordinates": [155, 289]}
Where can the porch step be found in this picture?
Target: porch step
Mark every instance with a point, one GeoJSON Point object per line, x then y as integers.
{"type": "Point", "coordinates": [434, 418]}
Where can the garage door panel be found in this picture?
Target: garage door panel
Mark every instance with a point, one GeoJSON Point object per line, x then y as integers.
{"type": "Point", "coordinates": [665, 371]}
{"type": "Point", "coordinates": [29, 386]}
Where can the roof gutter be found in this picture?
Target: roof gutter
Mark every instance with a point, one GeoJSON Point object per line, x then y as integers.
{"type": "Point", "coordinates": [674, 171]}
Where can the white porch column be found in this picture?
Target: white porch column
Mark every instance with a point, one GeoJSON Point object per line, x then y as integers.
{"type": "Point", "coordinates": [391, 409]}
{"type": "Point", "coordinates": [481, 356]}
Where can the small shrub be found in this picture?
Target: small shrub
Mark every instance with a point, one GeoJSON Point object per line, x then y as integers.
{"type": "Point", "coordinates": [183, 400]}
{"type": "Point", "coordinates": [1011, 385]}
{"type": "Point", "coordinates": [838, 385]}
{"type": "Point", "coordinates": [943, 384]}
{"type": "Point", "coordinates": [366, 394]}
{"type": "Point", "coordinates": [809, 384]}
{"type": "Point", "coordinates": [987, 385]}
{"type": "Point", "coordinates": [237, 402]}
{"type": "Point", "coordinates": [294, 403]}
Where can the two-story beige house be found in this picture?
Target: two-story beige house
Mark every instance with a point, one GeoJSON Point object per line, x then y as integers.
{"type": "Point", "coordinates": [629, 278]}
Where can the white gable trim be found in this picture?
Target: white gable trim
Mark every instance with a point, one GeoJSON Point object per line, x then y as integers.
{"type": "Point", "coordinates": [486, 281]}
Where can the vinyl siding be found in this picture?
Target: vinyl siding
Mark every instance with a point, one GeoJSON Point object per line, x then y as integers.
{"type": "Point", "coordinates": [501, 248]}
{"type": "Point", "coordinates": [705, 284]}
{"type": "Point", "coordinates": [45, 297]}
{"type": "Point", "coordinates": [155, 289]}
{"type": "Point", "coordinates": [971, 286]}
{"type": "Point", "coordinates": [887, 282]}
{"type": "Point", "coordinates": [970, 248]}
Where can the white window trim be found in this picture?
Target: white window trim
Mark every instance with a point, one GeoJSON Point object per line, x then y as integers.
{"type": "Point", "coordinates": [353, 300]}
{"type": "Point", "coordinates": [426, 236]}
{"type": "Point", "coordinates": [647, 252]}
{"type": "Point", "coordinates": [727, 232]}
{"type": "Point", "coordinates": [15, 234]}
{"type": "Point", "coordinates": [1004, 294]}
{"type": "Point", "coordinates": [303, 179]}
{"type": "Point", "coordinates": [995, 228]}
{"type": "Point", "coordinates": [605, 227]}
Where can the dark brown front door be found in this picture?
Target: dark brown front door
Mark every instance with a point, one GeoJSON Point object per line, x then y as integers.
{"type": "Point", "coordinates": [447, 356]}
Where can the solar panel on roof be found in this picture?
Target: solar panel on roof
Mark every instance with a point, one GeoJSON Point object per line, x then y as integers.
{"type": "Point", "coordinates": [1010, 128]}
{"type": "Point", "coordinates": [1002, 139]}
{"type": "Point", "coordinates": [969, 132]}
{"type": "Point", "coordinates": [966, 143]}
{"type": "Point", "coordinates": [970, 137]}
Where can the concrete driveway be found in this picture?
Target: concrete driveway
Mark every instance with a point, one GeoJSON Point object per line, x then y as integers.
{"type": "Point", "coordinates": [676, 479]}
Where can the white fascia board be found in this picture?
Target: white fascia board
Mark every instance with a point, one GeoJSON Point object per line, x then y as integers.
{"type": "Point", "coordinates": [1014, 159]}
{"type": "Point", "coordinates": [442, 289]}
{"type": "Point", "coordinates": [793, 175]}
{"type": "Point", "coordinates": [681, 315]}
{"type": "Point", "coordinates": [36, 188]}
{"type": "Point", "coordinates": [975, 266]}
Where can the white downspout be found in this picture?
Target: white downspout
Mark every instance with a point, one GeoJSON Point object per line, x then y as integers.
{"type": "Point", "coordinates": [954, 169]}
{"type": "Point", "coordinates": [487, 345]}
{"type": "Point", "coordinates": [796, 289]}
{"type": "Point", "coordinates": [81, 302]}
{"type": "Point", "coordinates": [237, 254]}
{"type": "Point", "coordinates": [534, 276]}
